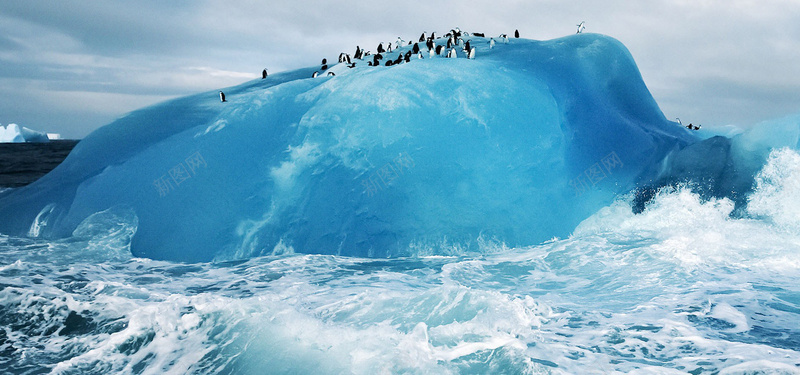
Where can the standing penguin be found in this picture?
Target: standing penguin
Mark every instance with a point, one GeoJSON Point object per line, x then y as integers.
{"type": "Point", "coordinates": [264, 73]}
{"type": "Point", "coordinates": [222, 97]}
{"type": "Point", "coordinates": [471, 53]}
{"type": "Point", "coordinates": [324, 61]}
{"type": "Point", "coordinates": [422, 37]}
{"type": "Point", "coordinates": [516, 33]}
{"type": "Point", "coordinates": [314, 75]}
{"type": "Point", "coordinates": [415, 48]}
{"type": "Point", "coordinates": [581, 26]}
{"type": "Point", "coordinates": [380, 48]}
{"type": "Point", "coordinates": [491, 43]}
{"type": "Point", "coordinates": [466, 46]}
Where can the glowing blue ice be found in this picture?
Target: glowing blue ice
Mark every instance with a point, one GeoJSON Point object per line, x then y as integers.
{"type": "Point", "coordinates": [516, 146]}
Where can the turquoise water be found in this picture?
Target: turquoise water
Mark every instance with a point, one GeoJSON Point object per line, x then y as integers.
{"type": "Point", "coordinates": [681, 287]}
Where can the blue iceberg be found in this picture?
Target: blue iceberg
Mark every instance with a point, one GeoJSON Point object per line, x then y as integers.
{"type": "Point", "coordinates": [516, 146]}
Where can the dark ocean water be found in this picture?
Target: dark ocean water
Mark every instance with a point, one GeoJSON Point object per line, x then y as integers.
{"type": "Point", "coordinates": [23, 163]}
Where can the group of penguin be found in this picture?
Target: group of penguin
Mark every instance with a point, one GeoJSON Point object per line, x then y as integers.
{"type": "Point", "coordinates": [454, 38]}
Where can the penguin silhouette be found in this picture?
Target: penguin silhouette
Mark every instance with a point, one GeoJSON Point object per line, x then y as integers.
{"type": "Point", "coordinates": [222, 97]}
{"type": "Point", "coordinates": [264, 74]}
{"type": "Point", "coordinates": [516, 33]}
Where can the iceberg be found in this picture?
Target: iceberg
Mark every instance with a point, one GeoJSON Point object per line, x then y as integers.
{"type": "Point", "coordinates": [516, 146]}
{"type": "Point", "coordinates": [13, 133]}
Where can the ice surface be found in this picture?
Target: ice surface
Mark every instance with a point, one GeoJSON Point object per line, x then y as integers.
{"type": "Point", "coordinates": [517, 146]}
{"type": "Point", "coordinates": [13, 133]}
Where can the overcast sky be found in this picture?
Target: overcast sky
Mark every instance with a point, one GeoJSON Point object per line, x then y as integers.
{"type": "Point", "coordinates": [73, 66]}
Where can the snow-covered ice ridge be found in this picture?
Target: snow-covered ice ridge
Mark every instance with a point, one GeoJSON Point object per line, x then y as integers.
{"type": "Point", "coordinates": [13, 133]}
{"type": "Point", "coordinates": [515, 146]}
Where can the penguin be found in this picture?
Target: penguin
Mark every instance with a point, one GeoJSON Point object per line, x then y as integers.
{"type": "Point", "coordinates": [679, 121]}
{"type": "Point", "coordinates": [400, 42]}
{"type": "Point", "coordinates": [471, 53]}
{"type": "Point", "coordinates": [415, 48]}
{"type": "Point", "coordinates": [357, 54]}
{"type": "Point", "coordinates": [581, 26]}
{"type": "Point", "coordinates": [388, 62]}
{"type": "Point", "coordinates": [331, 74]}
{"type": "Point", "coordinates": [452, 53]}
{"type": "Point", "coordinates": [433, 35]}
{"type": "Point", "coordinates": [439, 50]}
{"type": "Point", "coordinates": [419, 55]}
{"type": "Point", "coordinates": [389, 49]}
{"type": "Point", "coordinates": [351, 65]}
{"type": "Point", "coordinates": [347, 58]}
{"type": "Point", "coordinates": [479, 34]}
{"type": "Point", "coordinates": [264, 73]}
{"type": "Point", "coordinates": [450, 42]}
{"type": "Point", "coordinates": [380, 48]}
{"type": "Point", "coordinates": [430, 44]}
{"type": "Point", "coordinates": [422, 37]}
{"type": "Point", "coordinates": [431, 53]}
{"type": "Point", "coordinates": [505, 38]}
{"type": "Point", "coordinates": [324, 67]}
{"type": "Point", "coordinates": [341, 57]}
{"type": "Point", "coordinates": [222, 97]}
{"type": "Point", "coordinates": [466, 46]}
{"type": "Point", "coordinates": [324, 61]}
{"type": "Point", "coordinates": [516, 34]}
{"type": "Point", "coordinates": [314, 75]}
{"type": "Point", "coordinates": [491, 43]}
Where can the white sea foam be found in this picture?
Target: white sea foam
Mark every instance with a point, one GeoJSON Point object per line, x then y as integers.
{"type": "Point", "coordinates": [682, 287]}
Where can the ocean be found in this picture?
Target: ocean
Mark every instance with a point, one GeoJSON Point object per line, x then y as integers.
{"type": "Point", "coordinates": [686, 286]}
{"type": "Point", "coordinates": [23, 163]}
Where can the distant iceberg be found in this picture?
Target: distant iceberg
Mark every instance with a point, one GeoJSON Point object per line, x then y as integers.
{"type": "Point", "coordinates": [14, 133]}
